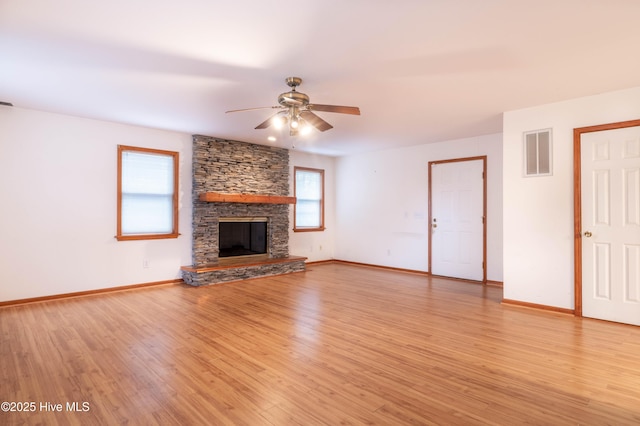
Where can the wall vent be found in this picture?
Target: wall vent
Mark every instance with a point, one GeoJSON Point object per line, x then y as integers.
{"type": "Point", "coordinates": [537, 153]}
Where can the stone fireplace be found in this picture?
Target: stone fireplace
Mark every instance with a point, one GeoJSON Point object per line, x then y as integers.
{"type": "Point", "coordinates": [234, 179]}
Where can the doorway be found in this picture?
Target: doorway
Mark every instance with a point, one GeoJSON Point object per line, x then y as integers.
{"type": "Point", "coordinates": [607, 221]}
{"type": "Point", "coordinates": [457, 218]}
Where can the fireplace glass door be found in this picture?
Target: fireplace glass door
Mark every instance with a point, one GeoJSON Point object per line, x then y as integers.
{"type": "Point", "coordinates": [242, 237]}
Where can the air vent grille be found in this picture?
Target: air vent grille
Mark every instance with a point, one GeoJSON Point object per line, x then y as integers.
{"type": "Point", "coordinates": [537, 153]}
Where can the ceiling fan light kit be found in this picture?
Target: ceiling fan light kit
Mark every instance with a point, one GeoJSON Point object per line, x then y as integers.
{"type": "Point", "coordinates": [297, 112]}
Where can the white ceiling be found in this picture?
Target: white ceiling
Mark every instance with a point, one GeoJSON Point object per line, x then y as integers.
{"type": "Point", "coordinates": [421, 71]}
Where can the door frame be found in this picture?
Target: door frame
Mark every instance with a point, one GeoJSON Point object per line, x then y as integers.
{"type": "Point", "coordinates": [577, 202]}
{"type": "Point", "coordinates": [484, 209]}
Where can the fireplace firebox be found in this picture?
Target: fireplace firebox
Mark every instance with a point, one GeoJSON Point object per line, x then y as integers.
{"type": "Point", "coordinates": [242, 236]}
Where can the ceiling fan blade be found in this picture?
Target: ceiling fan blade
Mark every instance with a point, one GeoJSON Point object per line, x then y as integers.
{"type": "Point", "coordinates": [253, 109]}
{"type": "Point", "coordinates": [315, 121]}
{"type": "Point", "coordinates": [266, 123]}
{"type": "Point", "coordinates": [334, 108]}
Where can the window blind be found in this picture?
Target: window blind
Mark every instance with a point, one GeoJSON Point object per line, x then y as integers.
{"type": "Point", "coordinates": [147, 193]}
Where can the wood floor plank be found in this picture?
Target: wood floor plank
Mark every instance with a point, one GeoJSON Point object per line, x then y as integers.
{"type": "Point", "coordinates": [337, 344]}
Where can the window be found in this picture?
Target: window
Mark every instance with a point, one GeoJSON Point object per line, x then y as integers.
{"type": "Point", "coordinates": [308, 212]}
{"type": "Point", "coordinates": [537, 153]}
{"type": "Point", "coordinates": [147, 194]}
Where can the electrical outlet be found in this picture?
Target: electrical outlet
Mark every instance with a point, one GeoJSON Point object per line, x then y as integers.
{"type": "Point", "coordinates": [145, 263]}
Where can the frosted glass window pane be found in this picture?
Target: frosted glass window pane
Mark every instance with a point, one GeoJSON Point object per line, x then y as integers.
{"type": "Point", "coordinates": [308, 185]}
{"type": "Point", "coordinates": [147, 214]}
{"type": "Point", "coordinates": [147, 173]}
{"type": "Point", "coordinates": [308, 214]}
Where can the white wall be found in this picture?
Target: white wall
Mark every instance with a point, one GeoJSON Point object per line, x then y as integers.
{"type": "Point", "coordinates": [58, 206]}
{"type": "Point", "coordinates": [382, 203]}
{"type": "Point", "coordinates": [316, 246]}
{"type": "Point", "coordinates": [538, 212]}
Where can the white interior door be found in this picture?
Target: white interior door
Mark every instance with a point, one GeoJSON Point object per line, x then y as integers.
{"type": "Point", "coordinates": [457, 219]}
{"type": "Point", "coordinates": [610, 188]}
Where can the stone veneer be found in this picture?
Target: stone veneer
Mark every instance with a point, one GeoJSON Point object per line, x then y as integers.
{"type": "Point", "coordinates": [242, 168]}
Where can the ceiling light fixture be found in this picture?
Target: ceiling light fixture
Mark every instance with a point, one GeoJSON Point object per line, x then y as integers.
{"type": "Point", "coordinates": [306, 129]}
{"type": "Point", "coordinates": [297, 125]}
{"type": "Point", "coordinates": [296, 109]}
{"type": "Point", "coordinates": [279, 121]}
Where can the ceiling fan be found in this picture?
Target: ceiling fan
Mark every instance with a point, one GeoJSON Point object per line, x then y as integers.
{"type": "Point", "coordinates": [298, 113]}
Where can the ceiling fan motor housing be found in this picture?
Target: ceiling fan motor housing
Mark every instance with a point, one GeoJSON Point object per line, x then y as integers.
{"type": "Point", "coordinates": [293, 98]}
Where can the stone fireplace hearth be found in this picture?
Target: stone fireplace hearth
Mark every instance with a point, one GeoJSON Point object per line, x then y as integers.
{"type": "Point", "coordinates": [230, 167]}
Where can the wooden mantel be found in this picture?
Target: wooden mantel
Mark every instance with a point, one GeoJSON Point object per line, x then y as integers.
{"type": "Point", "coordinates": [218, 197]}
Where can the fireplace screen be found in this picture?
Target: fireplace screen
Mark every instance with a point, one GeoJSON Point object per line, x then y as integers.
{"type": "Point", "coordinates": [242, 236]}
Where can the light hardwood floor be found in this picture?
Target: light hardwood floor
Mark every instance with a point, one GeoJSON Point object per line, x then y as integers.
{"type": "Point", "coordinates": [338, 344]}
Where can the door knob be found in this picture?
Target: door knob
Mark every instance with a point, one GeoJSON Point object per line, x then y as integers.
{"type": "Point", "coordinates": [588, 234]}
{"type": "Point", "coordinates": [435, 225]}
